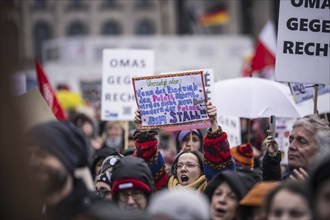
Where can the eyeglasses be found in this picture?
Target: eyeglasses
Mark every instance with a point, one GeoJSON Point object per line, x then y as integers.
{"type": "Point", "coordinates": [103, 193]}
{"type": "Point", "coordinates": [136, 195]}
{"type": "Point", "coordinates": [188, 165]}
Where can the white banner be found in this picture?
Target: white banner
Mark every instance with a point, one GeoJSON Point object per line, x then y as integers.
{"type": "Point", "coordinates": [119, 66]}
{"type": "Point", "coordinates": [232, 126]}
{"type": "Point", "coordinates": [303, 43]}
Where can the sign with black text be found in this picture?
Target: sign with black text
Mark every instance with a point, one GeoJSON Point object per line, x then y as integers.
{"type": "Point", "coordinates": [171, 99]}
{"type": "Point", "coordinates": [303, 42]}
{"type": "Point", "coordinates": [119, 66]}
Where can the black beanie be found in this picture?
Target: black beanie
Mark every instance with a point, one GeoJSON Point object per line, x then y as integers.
{"type": "Point", "coordinates": [240, 183]}
{"type": "Point", "coordinates": [63, 140]}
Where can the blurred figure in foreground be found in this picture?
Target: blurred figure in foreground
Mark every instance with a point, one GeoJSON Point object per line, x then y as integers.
{"type": "Point", "coordinates": [288, 201]}
{"type": "Point", "coordinates": [179, 204]}
{"type": "Point", "coordinates": [59, 165]}
{"type": "Point", "coordinates": [320, 189]}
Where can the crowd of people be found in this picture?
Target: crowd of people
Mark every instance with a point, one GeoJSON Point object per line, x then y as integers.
{"type": "Point", "coordinates": [80, 172]}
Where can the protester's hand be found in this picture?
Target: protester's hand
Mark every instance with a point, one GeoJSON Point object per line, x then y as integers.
{"type": "Point", "coordinates": [299, 175]}
{"type": "Point", "coordinates": [137, 118]}
{"type": "Point", "coordinates": [271, 144]}
{"type": "Point", "coordinates": [143, 136]}
{"type": "Point", "coordinates": [212, 113]}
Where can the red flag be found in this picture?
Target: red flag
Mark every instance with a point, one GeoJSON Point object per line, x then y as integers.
{"type": "Point", "coordinates": [48, 93]}
{"type": "Point", "coordinates": [263, 61]}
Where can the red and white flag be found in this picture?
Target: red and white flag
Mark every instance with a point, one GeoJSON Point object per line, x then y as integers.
{"type": "Point", "coordinates": [48, 93]}
{"type": "Point", "coordinates": [263, 61]}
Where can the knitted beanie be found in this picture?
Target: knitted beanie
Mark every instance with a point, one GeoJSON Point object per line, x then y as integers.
{"type": "Point", "coordinates": [243, 155]}
{"type": "Point", "coordinates": [131, 173]}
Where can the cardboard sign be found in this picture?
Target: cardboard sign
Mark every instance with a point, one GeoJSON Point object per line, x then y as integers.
{"type": "Point", "coordinates": [91, 90]}
{"type": "Point", "coordinates": [171, 99]}
{"type": "Point", "coordinates": [32, 109]}
{"type": "Point", "coordinates": [303, 43]}
{"type": "Point", "coordinates": [119, 66]}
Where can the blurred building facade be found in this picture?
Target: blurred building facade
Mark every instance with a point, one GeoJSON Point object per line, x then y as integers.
{"type": "Point", "coordinates": [30, 23]}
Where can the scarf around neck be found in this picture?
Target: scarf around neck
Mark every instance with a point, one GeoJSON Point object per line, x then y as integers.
{"type": "Point", "coordinates": [198, 185]}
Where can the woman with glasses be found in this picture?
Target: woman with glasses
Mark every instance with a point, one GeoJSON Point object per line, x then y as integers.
{"type": "Point", "coordinates": [190, 168]}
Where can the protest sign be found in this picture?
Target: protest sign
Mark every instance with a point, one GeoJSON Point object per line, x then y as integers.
{"type": "Point", "coordinates": [170, 100]}
{"type": "Point", "coordinates": [232, 126]}
{"type": "Point", "coordinates": [303, 43]}
{"type": "Point", "coordinates": [91, 90]}
{"type": "Point", "coordinates": [119, 66]}
{"type": "Point", "coordinates": [302, 92]}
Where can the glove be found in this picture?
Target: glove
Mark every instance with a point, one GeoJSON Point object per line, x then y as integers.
{"type": "Point", "coordinates": [143, 136]}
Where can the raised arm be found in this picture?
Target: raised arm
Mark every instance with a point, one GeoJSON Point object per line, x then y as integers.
{"type": "Point", "coordinates": [217, 156]}
{"type": "Point", "coordinates": [146, 148]}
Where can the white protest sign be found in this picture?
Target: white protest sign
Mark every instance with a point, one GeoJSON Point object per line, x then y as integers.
{"type": "Point", "coordinates": [171, 99]}
{"type": "Point", "coordinates": [303, 42]}
{"type": "Point", "coordinates": [282, 131]}
{"type": "Point", "coordinates": [119, 66]}
{"type": "Point", "coordinates": [232, 126]}
{"type": "Point", "coordinates": [209, 83]}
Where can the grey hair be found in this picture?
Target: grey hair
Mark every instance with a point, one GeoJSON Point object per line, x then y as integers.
{"type": "Point", "coordinates": [320, 128]}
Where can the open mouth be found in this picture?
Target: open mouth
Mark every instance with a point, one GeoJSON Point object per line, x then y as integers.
{"type": "Point", "coordinates": [220, 212]}
{"type": "Point", "coordinates": [184, 179]}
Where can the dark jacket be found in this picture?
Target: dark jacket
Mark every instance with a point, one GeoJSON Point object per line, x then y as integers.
{"type": "Point", "coordinates": [271, 168]}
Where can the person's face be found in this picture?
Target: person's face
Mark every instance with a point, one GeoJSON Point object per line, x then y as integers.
{"type": "Point", "coordinates": [289, 205]}
{"type": "Point", "coordinates": [115, 131]}
{"type": "Point", "coordinates": [51, 179]}
{"type": "Point", "coordinates": [103, 190]}
{"type": "Point", "coordinates": [98, 165]}
{"type": "Point", "coordinates": [224, 203]}
{"type": "Point", "coordinates": [302, 148]}
{"type": "Point", "coordinates": [187, 169]}
{"type": "Point", "coordinates": [88, 129]}
{"type": "Point", "coordinates": [133, 200]}
{"type": "Point", "coordinates": [322, 201]}
{"type": "Point", "coordinates": [187, 144]}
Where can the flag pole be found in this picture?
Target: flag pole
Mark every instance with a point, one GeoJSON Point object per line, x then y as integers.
{"type": "Point", "coordinates": [316, 90]}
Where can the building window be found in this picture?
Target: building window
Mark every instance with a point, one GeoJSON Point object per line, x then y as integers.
{"type": "Point", "coordinates": [76, 4]}
{"type": "Point", "coordinates": [40, 4]}
{"type": "Point", "coordinates": [111, 28]}
{"type": "Point", "coordinates": [41, 33]}
{"type": "Point", "coordinates": [145, 27]}
{"type": "Point", "coordinates": [76, 28]}
{"type": "Point", "coordinates": [110, 3]}
{"type": "Point", "coordinates": [143, 3]}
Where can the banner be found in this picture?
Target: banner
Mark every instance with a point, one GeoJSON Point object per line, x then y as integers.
{"type": "Point", "coordinates": [171, 99]}
{"type": "Point", "coordinates": [303, 44]}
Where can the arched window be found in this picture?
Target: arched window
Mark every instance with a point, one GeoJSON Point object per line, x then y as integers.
{"type": "Point", "coordinates": [76, 28]}
{"type": "Point", "coordinates": [41, 33]}
{"type": "Point", "coordinates": [145, 27]}
{"type": "Point", "coordinates": [111, 28]}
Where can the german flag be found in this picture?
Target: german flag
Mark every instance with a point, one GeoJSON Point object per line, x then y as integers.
{"type": "Point", "coordinates": [218, 17]}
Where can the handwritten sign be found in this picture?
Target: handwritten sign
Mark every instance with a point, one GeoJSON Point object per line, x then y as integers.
{"type": "Point", "coordinates": [171, 99]}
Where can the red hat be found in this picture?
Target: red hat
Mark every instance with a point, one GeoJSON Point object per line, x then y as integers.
{"type": "Point", "coordinates": [129, 183]}
{"type": "Point", "coordinates": [243, 155]}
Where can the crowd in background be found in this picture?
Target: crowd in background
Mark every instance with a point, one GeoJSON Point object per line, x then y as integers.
{"type": "Point", "coordinates": [188, 174]}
